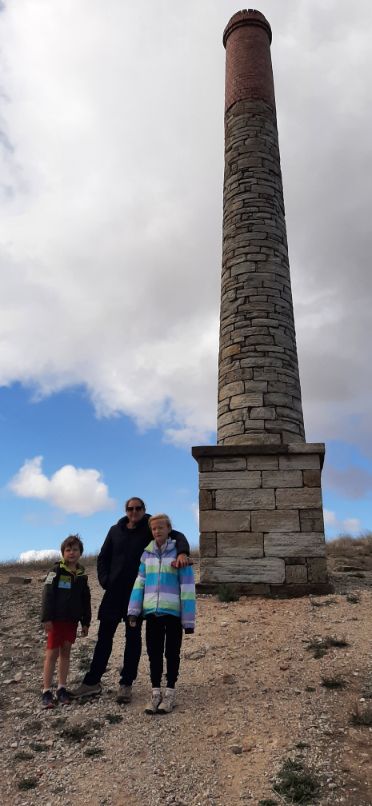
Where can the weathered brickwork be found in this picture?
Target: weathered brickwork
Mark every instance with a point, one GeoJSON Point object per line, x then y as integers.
{"type": "Point", "coordinates": [260, 502]}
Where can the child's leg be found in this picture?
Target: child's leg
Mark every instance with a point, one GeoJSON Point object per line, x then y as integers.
{"type": "Point", "coordinates": [155, 635]}
{"type": "Point", "coordinates": [51, 656]}
{"type": "Point", "coordinates": [173, 641]}
{"type": "Point", "coordinates": [63, 663]}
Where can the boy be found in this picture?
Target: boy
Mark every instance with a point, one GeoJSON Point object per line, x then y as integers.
{"type": "Point", "coordinates": [165, 596]}
{"type": "Point", "coordinates": [66, 601]}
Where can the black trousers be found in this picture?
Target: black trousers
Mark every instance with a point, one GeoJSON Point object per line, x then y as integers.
{"type": "Point", "coordinates": [160, 631]}
{"type": "Point", "coordinates": [103, 649]}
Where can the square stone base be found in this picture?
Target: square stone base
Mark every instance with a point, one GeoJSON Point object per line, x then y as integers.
{"type": "Point", "coordinates": [261, 519]}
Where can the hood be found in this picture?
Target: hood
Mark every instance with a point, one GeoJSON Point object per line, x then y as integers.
{"type": "Point", "coordinates": [153, 549]}
{"type": "Point", "coordinates": [60, 565]}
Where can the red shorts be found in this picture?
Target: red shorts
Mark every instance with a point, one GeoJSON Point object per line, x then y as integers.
{"type": "Point", "coordinates": [61, 631]}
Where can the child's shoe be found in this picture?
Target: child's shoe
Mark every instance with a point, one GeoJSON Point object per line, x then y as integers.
{"type": "Point", "coordinates": [63, 696]}
{"type": "Point", "coordinates": [153, 706]}
{"type": "Point", "coordinates": [47, 700]}
{"type": "Point", "coordinates": [168, 702]}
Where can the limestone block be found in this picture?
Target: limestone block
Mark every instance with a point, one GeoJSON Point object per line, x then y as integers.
{"type": "Point", "coordinates": [282, 478]}
{"type": "Point", "coordinates": [229, 463]}
{"type": "Point", "coordinates": [231, 432]}
{"type": "Point", "coordinates": [295, 574]}
{"type": "Point", "coordinates": [218, 521]}
{"type": "Point", "coordinates": [231, 389]}
{"type": "Point", "coordinates": [232, 350]}
{"type": "Point", "coordinates": [262, 462]}
{"type": "Point", "coordinates": [252, 439]}
{"type": "Point", "coordinates": [205, 464]}
{"type": "Point", "coordinates": [240, 544]}
{"type": "Point", "coordinates": [243, 401]}
{"type": "Point", "coordinates": [264, 412]}
{"type": "Point", "coordinates": [312, 478]}
{"type": "Point", "coordinates": [303, 498]}
{"type": "Point", "coordinates": [255, 386]}
{"type": "Point", "coordinates": [205, 499]}
{"type": "Point", "coordinates": [294, 544]}
{"type": "Point", "coordinates": [245, 499]}
{"type": "Point", "coordinates": [17, 580]}
{"type": "Point", "coordinates": [317, 569]}
{"type": "Point", "coordinates": [274, 521]}
{"type": "Point", "coordinates": [270, 570]}
{"type": "Point", "coordinates": [273, 399]}
{"type": "Point", "coordinates": [308, 447]}
{"type": "Point", "coordinates": [300, 462]}
{"type": "Point", "coordinates": [311, 520]}
{"type": "Point", "coordinates": [230, 480]}
{"type": "Point", "coordinates": [229, 417]}
{"type": "Point", "coordinates": [208, 544]}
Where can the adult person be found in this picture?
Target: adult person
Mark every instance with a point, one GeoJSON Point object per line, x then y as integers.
{"type": "Point", "coordinates": [117, 569]}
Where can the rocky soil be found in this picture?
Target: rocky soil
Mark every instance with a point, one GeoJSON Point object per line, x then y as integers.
{"type": "Point", "coordinates": [250, 697]}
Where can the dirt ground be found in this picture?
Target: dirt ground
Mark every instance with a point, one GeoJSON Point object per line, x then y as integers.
{"type": "Point", "coordinates": [250, 697]}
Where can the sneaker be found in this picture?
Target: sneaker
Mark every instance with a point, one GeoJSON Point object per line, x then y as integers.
{"type": "Point", "coordinates": [86, 690]}
{"type": "Point", "coordinates": [63, 697]}
{"type": "Point", "coordinates": [47, 700]}
{"type": "Point", "coordinates": [124, 694]}
{"type": "Point", "coordinates": [168, 701]}
{"type": "Point", "coordinates": [153, 705]}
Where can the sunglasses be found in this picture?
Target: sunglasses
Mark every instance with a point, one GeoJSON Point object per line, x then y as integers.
{"type": "Point", "coordinates": [134, 509]}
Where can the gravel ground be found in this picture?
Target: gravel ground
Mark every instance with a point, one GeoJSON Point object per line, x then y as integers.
{"type": "Point", "coordinates": [250, 697]}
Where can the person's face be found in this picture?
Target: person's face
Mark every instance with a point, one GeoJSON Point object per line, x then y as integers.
{"type": "Point", "coordinates": [160, 531]}
{"type": "Point", "coordinates": [135, 511]}
{"type": "Point", "coordinates": [71, 554]}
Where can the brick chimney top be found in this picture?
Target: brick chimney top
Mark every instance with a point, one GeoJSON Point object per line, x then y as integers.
{"type": "Point", "coordinates": [247, 17]}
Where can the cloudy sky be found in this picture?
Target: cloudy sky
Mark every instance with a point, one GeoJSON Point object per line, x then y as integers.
{"type": "Point", "coordinates": [111, 170]}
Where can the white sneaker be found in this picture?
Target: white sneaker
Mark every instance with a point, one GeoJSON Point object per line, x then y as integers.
{"type": "Point", "coordinates": [168, 702]}
{"type": "Point", "coordinates": [152, 706]}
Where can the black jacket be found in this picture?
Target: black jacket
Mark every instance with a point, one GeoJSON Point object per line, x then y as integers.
{"type": "Point", "coordinates": [118, 564]}
{"type": "Point", "coordinates": [66, 596]}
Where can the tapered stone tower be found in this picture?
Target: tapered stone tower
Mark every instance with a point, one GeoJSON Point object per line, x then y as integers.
{"type": "Point", "coordinates": [261, 516]}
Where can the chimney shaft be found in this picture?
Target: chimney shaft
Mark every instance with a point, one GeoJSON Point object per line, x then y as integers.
{"type": "Point", "coordinates": [259, 385]}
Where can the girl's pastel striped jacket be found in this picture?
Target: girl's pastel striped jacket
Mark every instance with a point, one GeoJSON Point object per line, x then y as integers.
{"type": "Point", "coordinates": [162, 589]}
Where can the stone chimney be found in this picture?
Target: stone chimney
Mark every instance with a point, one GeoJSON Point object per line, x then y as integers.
{"type": "Point", "coordinates": [259, 390]}
{"type": "Point", "coordinates": [260, 501]}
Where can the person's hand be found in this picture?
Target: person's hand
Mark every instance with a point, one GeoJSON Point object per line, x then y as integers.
{"type": "Point", "coordinates": [84, 630]}
{"type": "Point", "coordinates": [132, 621]}
{"type": "Point", "coordinates": [181, 561]}
{"type": "Point", "coordinates": [48, 626]}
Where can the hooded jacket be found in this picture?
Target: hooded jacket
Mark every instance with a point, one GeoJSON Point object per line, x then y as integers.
{"type": "Point", "coordinates": [66, 596]}
{"type": "Point", "coordinates": [118, 563]}
{"type": "Point", "coordinates": [160, 589]}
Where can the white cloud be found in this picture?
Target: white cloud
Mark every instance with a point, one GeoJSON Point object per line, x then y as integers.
{"type": "Point", "coordinates": [330, 518]}
{"type": "Point", "coordinates": [35, 554]}
{"type": "Point", "coordinates": [72, 489]}
{"type": "Point", "coordinates": [111, 204]}
{"type": "Point", "coordinates": [344, 526]}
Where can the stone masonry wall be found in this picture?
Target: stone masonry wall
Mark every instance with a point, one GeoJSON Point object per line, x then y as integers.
{"type": "Point", "coordinates": [261, 518]}
{"type": "Point", "coordinates": [259, 387]}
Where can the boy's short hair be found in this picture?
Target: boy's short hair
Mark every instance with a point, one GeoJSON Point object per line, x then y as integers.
{"type": "Point", "coordinates": [161, 517]}
{"type": "Point", "coordinates": [70, 540]}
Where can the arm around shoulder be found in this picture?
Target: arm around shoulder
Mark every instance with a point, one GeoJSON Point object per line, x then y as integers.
{"type": "Point", "coordinates": [182, 543]}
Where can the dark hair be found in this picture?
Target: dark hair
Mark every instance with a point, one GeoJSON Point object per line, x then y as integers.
{"type": "Point", "coordinates": [135, 498]}
{"type": "Point", "coordinates": [70, 541]}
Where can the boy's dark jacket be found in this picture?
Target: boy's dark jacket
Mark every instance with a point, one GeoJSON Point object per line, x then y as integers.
{"type": "Point", "coordinates": [66, 596]}
{"type": "Point", "coordinates": [118, 564]}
